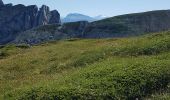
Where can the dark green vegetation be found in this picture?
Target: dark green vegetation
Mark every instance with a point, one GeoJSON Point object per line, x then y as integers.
{"type": "Point", "coordinates": [125, 68]}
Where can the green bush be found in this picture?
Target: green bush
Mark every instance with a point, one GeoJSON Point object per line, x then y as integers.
{"type": "Point", "coordinates": [88, 58]}
{"type": "Point", "coordinates": [115, 78]}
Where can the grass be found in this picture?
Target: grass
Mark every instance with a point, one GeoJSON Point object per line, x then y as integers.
{"type": "Point", "coordinates": [9, 50]}
{"type": "Point", "coordinates": [125, 68]}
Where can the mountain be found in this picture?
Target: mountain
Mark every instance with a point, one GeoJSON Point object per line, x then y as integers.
{"type": "Point", "coordinates": [118, 26]}
{"type": "Point", "coordinates": [18, 18]}
{"type": "Point", "coordinates": [74, 17]}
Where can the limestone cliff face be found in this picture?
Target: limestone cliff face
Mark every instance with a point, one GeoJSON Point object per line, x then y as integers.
{"type": "Point", "coordinates": [43, 15]}
{"type": "Point", "coordinates": [18, 18]}
{"type": "Point", "coordinates": [54, 17]}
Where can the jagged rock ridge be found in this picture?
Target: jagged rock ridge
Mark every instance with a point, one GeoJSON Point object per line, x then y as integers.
{"type": "Point", "coordinates": [18, 18]}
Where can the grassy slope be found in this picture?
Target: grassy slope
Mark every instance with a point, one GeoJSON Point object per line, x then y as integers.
{"type": "Point", "coordinates": [125, 68]}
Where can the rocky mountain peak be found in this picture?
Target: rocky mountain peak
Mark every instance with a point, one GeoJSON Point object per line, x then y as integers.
{"type": "Point", "coordinates": [44, 8]}
{"type": "Point", "coordinates": [18, 18]}
{"type": "Point", "coordinates": [54, 17]}
{"type": "Point", "coordinates": [43, 15]}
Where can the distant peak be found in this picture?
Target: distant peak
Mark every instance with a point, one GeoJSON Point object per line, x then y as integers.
{"type": "Point", "coordinates": [77, 14]}
{"type": "Point", "coordinates": [74, 14]}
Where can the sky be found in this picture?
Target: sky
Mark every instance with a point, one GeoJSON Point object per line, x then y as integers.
{"type": "Point", "coordinates": [98, 7]}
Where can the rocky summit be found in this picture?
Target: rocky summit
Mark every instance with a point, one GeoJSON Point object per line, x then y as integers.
{"type": "Point", "coordinates": [18, 18]}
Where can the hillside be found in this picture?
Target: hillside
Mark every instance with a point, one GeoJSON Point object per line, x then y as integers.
{"type": "Point", "coordinates": [50, 33]}
{"type": "Point", "coordinates": [118, 68]}
{"type": "Point", "coordinates": [118, 26]}
{"type": "Point", "coordinates": [129, 25]}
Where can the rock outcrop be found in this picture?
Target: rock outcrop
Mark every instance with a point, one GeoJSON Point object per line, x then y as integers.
{"type": "Point", "coordinates": [18, 18]}
{"type": "Point", "coordinates": [54, 17]}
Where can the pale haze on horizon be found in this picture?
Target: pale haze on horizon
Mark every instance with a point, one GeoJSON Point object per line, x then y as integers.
{"type": "Point", "coordinates": [98, 7]}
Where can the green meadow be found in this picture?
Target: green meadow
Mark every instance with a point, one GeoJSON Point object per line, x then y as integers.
{"type": "Point", "coordinates": [88, 69]}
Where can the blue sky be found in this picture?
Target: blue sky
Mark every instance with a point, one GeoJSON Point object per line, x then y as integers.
{"type": "Point", "coordinates": [98, 7]}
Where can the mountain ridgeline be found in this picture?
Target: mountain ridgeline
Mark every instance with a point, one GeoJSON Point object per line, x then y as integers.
{"type": "Point", "coordinates": [18, 18]}
{"type": "Point", "coordinates": [129, 25]}
{"type": "Point", "coordinates": [118, 26]}
{"type": "Point", "coordinates": [75, 17]}
{"type": "Point", "coordinates": [28, 24]}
